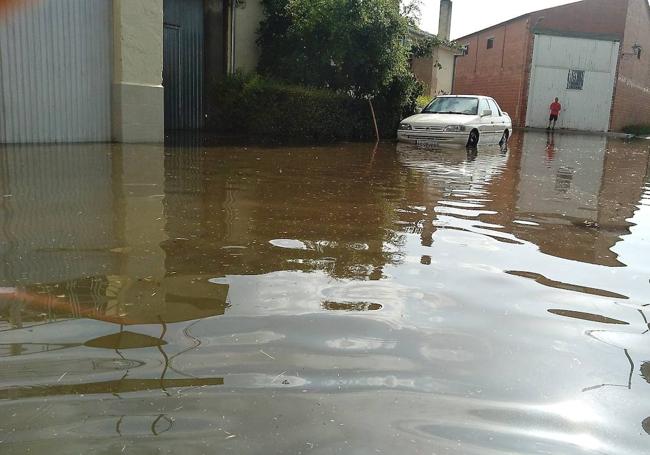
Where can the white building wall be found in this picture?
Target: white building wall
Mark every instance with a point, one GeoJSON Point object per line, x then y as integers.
{"type": "Point", "coordinates": [446, 73]}
{"type": "Point", "coordinates": [587, 109]}
{"type": "Point", "coordinates": [246, 52]}
{"type": "Point", "coordinates": [55, 72]}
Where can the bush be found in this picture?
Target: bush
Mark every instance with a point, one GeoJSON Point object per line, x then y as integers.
{"type": "Point", "coordinates": [637, 130]}
{"type": "Point", "coordinates": [345, 48]}
{"type": "Point", "coordinates": [355, 46]}
{"type": "Point", "coordinates": [424, 100]}
{"type": "Point", "coordinates": [256, 106]}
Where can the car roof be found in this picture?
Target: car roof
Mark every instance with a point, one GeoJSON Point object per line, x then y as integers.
{"type": "Point", "coordinates": [463, 96]}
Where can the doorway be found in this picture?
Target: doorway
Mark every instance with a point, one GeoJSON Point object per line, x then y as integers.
{"type": "Point", "coordinates": [183, 79]}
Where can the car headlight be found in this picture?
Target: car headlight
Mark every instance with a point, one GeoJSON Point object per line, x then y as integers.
{"type": "Point", "coordinates": [405, 127]}
{"type": "Point", "coordinates": [454, 129]}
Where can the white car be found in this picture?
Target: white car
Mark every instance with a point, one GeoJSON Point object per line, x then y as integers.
{"type": "Point", "coordinates": [466, 120]}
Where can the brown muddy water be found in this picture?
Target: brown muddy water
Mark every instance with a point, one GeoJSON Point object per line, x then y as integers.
{"type": "Point", "coordinates": [330, 300]}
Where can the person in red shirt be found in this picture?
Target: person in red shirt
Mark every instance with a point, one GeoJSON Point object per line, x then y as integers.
{"type": "Point", "coordinates": [556, 107]}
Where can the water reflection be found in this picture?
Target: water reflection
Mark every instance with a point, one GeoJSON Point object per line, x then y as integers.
{"type": "Point", "coordinates": [351, 306]}
{"type": "Point", "coordinates": [645, 371]}
{"type": "Point", "coordinates": [125, 340]}
{"type": "Point", "coordinates": [200, 292]}
{"type": "Point", "coordinates": [582, 196]}
{"type": "Point", "coordinates": [157, 424]}
{"type": "Point", "coordinates": [624, 341]}
{"type": "Point", "coordinates": [541, 279]}
{"type": "Point", "coordinates": [120, 300]}
{"type": "Point", "coordinates": [118, 387]}
{"type": "Point", "coordinates": [226, 211]}
{"type": "Point", "coordinates": [588, 317]}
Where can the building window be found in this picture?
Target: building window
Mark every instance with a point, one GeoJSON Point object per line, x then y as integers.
{"type": "Point", "coordinates": [576, 80]}
{"type": "Point", "coordinates": [490, 43]}
{"type": "Point", "coordinates": [465, 49]}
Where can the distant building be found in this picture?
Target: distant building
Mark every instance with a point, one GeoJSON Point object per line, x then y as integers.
{"type": "Point", "coordinates": [94, 70]}
{"type": "Point", "coordinates": [593, 55]}
{"type": "Point", "coordinates": [437, 71]}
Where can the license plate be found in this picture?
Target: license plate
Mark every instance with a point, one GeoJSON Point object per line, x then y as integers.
{"type": "Point", "coordinates": [427, 143]}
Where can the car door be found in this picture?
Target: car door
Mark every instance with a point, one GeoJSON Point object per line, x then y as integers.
{"type": "Point", "coordinates": [507, 121]}
{"type": "Point", "coordinates": [498, 121]}
{"type": "Point", "coordinates": [486, 129]}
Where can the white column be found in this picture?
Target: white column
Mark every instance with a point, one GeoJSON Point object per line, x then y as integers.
{"type": "Point", "coordinates": [137, 92]}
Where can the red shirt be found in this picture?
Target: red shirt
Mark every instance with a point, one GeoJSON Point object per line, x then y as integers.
{"type": "Point", "coordinates": [556, 108]}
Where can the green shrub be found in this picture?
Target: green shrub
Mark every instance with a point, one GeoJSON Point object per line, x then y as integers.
{"type": "Point", "coordinates": [637, 130]}
{"type": "Point", "coordinates": [255, 106]}
{"type": "Point", "coordinates": [423, 101]}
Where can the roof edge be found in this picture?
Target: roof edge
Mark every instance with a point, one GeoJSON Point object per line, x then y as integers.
{"type": "Point", "coordinates": [500, 24]}
{"type": "Point", "coordinates": [423, 34]}
{"type": "Point", "coordinates": [518, 18]}
{"type": "Point", "coordinates": [580, 35]}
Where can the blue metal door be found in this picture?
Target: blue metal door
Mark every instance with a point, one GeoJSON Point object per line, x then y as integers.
{"type": "Point", "coordinates": [183, 64]}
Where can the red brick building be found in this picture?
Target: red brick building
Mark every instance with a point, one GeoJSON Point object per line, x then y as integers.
{"type": "Point", "coordinates": [593, 54]}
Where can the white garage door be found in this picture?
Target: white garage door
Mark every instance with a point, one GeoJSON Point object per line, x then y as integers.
{"type": "Point", "coordinates": [55, 72]}
{"type": "Point", "coordinates": [581, 72]}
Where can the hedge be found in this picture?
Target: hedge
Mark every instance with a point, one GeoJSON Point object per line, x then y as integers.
{"type": "Point", "coordinates": [254, 106]}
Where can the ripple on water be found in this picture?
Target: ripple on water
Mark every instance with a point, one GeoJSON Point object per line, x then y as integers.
{"type": "Point", "coordinates": [289, 244]}
{"type": "Point", "coordinates": [408, 301]}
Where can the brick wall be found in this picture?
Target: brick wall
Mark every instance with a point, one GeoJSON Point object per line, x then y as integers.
{"type": "Point", "coordinates": [598, 17]}
{"type": "Point", "coordinates": [632, 97]}
{"type": "Point", "coordinates": [496, 72]}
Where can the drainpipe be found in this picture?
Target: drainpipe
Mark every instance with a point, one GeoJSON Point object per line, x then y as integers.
{"type": "Point", "coordinates": [520, 109]}
{"type": "Point", "coordinates": [453, 76]}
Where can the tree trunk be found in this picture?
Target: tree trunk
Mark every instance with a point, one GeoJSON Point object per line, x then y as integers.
{"type": "Point", "coordinates": [374, 119]}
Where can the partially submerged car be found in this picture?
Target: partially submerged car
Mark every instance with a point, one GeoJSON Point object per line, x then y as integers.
{"type": "Point", "coordinates": [466, 120]}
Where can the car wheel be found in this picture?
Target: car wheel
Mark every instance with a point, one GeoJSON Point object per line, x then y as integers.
{"type": "Point", "coordinates": [473, 139]}
{"type": "Point", "coordinates": [504, 138]}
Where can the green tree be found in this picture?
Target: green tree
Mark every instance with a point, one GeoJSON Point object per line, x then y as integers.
{"type": "Point", "coordinates": [357, 47]}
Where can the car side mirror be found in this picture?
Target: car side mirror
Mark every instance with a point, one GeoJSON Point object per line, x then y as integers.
{"type": "Point", "coordinates": [486, 113]}
{"type": "Point", "coordinates": [418, 110]}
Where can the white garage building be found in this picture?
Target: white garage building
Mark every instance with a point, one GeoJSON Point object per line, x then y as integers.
{"type": "Point", "coordinates": [581, 72]}
{"type": "Point", "coordinates": [592, 54]}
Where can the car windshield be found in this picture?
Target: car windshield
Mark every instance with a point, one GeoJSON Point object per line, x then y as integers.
{"type": "Point", "coordinates": [466, 106]}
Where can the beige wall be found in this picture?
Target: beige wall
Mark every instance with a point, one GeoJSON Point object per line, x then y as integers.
{"type": "Point", "coordinates": [445, 76]}
{"type": "Point", "coordinates": [247, 23]}
{"type": "Point", "coordinates": [138, 41]}
{"type": "Point", "coordinates": [423, 69]}
{"type": "Point", "coordinates": [138, 97]}
{"type": "Point", "coordinates": [436, 80]}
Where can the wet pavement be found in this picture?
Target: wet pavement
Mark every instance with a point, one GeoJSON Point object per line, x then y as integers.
{"type": "Point", "coordinates": [326, 300]}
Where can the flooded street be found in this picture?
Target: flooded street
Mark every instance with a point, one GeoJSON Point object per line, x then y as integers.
{"type": "Point", "coordinates": [326, 300]}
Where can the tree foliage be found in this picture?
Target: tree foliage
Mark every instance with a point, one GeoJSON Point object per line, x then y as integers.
{"type": "Point", "coordinates": [412, 11]}
{"type": "Point", "coordinates": [424, 47]}
{"type": "Point", "coordinates": [353, 46]}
